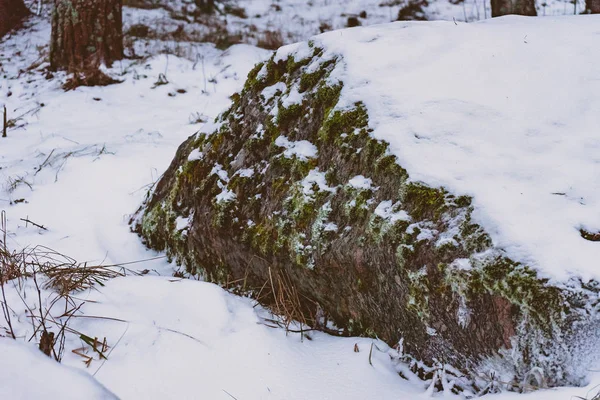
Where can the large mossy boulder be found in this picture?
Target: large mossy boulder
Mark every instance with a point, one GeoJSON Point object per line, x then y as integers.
{"type": "Point", "coordinates": [290, 182]}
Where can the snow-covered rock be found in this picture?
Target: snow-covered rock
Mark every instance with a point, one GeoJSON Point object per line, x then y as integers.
{"type": "Point", "coordinates": [464, 154]}
{"type": "Point", "coordinates": [483, 137]}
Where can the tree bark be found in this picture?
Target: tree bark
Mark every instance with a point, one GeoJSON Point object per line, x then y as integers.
{"type": "Point", "coordinates": [518, 7]}
{"type": "Point", "coordinates": [592, 6]}
{"type": "Point", "coordinates": [85, 34]}
{"type": "Point", "coordinates": [11, 13]}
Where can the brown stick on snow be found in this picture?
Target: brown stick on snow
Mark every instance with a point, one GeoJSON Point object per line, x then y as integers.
{"type": "Point", "coordinates": [5, 125]}
{"type": "Point", "coordinates": [26, 220]}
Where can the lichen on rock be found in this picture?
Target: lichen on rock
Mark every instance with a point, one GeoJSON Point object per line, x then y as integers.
{"type": "Point", "coordinates": [290, 180]}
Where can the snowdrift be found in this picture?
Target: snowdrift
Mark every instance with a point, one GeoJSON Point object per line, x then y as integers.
{"type": "Point", "coordinates": [29, 374]}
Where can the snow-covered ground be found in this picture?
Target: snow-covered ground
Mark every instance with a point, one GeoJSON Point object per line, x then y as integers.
{"type": "Point", "coordinates": [26, 373]}
{"type": "Point", "coordinates": [80, 162]}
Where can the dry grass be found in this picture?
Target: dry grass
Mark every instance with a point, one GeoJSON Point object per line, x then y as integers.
{"type": "Point", "coordinates": [286, 300]}
{"type": "Point", "coordinates": [290, 309]}
{"type": "Point", "coordinates": [54, 278]}
{"type": "Point", "coordinates": [12, 183]}
{"type": "Point", "coordinates": [593, 397]}
{"type": "Point", "coordinates": [64, 274]}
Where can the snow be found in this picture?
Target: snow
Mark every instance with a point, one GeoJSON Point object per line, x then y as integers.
{"type": "Point", "coordinates": [360, 182]}
{"type": "Point", "coordinates": [270, 91]}
{"type": "Point", "coordinates": [195, 155]}
{"type": "Point", "coordinates": [302, 149]}
{"type": "Point", "coordinates": [245, 172]}
{"type": "Point", "coordinates": [220, 172]}
{"type": "Point", "coordinates": [503, 110]}
{"type": "Point", "coordinates": [225, 196]}
{"type": "Point", "coordinates": [330, 227]}
{"type": "Point", "coordinates": [294, 97]}
{"type": "Point", "coordinates": [201, 340]}
{"type": "Point", "coordinates": [181, 223]}
{"type": "Point", "coordinates": [385, 210]}
{"type": "Point", "coordinates": [315, 177]}
{"type": "Point", "coordinates": [28, 374]}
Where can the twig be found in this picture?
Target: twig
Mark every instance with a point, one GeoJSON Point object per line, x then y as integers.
{"type": "Point", "coordinates": [111, 350]}
{"type": "Point", "coordinates": [42, 165]}
{"type": "Point", "coordinates": [27, 221]}
{"type": "Point", "coordinates": [5, 125]}
{"type": "Point", "coordinates": [160, 328]}
{"type": "Point", "coordinates": [230, 395]}
{"type": "Point", "coordinates": [3, 260]}
{"type": "Point", "coordinates": [42, 318]}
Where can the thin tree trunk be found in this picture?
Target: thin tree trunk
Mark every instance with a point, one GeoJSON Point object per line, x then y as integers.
{"type": "Point", "coordinates": [11, 13]}
{"type": "Point", "coordinates": [519, 7]}
{"type": "Point", "coordinates": [85, 34]}
{"type": "Point", "coordinates": [592, 6]}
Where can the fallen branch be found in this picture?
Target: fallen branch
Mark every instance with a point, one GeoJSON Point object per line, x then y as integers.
{"type": "Point", "coordinates": [27, 221]}
{"type": "Point", "coordinates": [5, 124]}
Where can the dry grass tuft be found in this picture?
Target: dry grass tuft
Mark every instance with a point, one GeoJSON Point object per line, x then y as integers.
{"type": "Point", "coordinates": [290, 309]}
{"type": "Point", "coordinates": [65, 275]}
{"type": "Point", "coordinates": [41, 268]}
{"type": "Point", "coordinates": [587, 397]}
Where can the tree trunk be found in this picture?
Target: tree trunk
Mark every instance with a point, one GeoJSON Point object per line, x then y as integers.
{"type": "Point", "coordinates": [11, 13]}
{"type": "Point", "coordinates": [518, 7]}
{"type": "Point", "coordinates": [592, 6]}
{"type": "Point", "coordinates": [85, 34]}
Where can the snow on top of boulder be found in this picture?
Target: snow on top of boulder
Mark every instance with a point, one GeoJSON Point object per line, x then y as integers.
{"type": "Point", "coordinates": [504, 110]}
